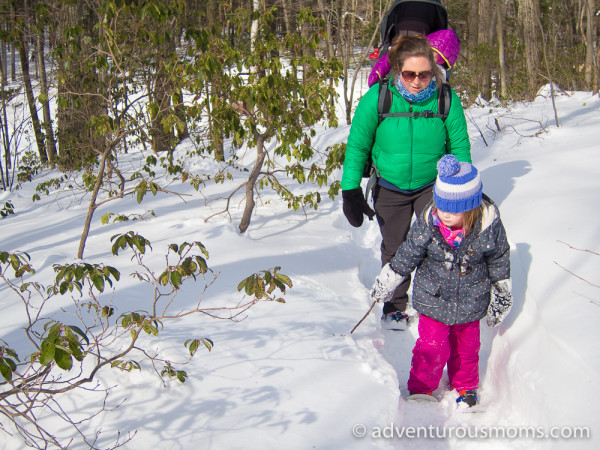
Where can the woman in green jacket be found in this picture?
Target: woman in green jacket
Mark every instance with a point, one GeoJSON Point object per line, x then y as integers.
{"type": "Point", "coordinates": [404, 150]}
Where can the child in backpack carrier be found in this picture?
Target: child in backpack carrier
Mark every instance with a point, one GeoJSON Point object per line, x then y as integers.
{"type": "Point", "coordinates": [445, 44]}
{"type": "Point", "coordinates": [459, 248]}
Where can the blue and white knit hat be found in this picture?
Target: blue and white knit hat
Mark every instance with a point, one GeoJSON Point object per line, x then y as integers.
{"type": "Point", "coordinates": [458, 186]}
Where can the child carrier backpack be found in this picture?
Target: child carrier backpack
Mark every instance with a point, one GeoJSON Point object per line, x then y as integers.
{"type": "Point", "coordinates": [408, 17]}
{"type": "Point", "coordinates": [412, 17]}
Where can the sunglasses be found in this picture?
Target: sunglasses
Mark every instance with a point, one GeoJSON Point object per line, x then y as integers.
{"type": "Point", "coordinates": [409, 75]}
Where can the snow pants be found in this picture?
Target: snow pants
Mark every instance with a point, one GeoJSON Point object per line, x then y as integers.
{"type": "Point", "coordinates": [394, 211]}
{"type": "Point", "coordinates": [440, 344]}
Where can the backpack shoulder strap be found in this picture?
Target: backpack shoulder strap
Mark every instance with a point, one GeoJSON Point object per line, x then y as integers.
{"type": "Point", "coordinates": [385, 98]}
{"type": "Point", "coordinates": [444, 101]}
{"type": "Point", "coordinates": [385, 102]}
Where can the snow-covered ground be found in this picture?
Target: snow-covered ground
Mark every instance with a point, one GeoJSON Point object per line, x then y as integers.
{"type": "Point", "coordinates": [291, 375]}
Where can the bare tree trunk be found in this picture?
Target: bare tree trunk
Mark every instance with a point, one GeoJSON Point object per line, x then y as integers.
{"type": "Point", "coordinates": [261, 153]}
{"type": "Point", "coordinates": [215, 132]}
{"type": "Point", "coordinates": [260, 144]}
{"type": "Point", "coordinates": [3, 57]}
{"type": "Point", "coordinates": [327, 19]}
{"type": "Point", "coordinates": [163, 137]}
{"type": "Point", "coordinates": [352, 27]}
{"type": "Point", "coordinates": [473, 27]}
{"type": "Point", "coordinates": [45, 100]}
{"type": "Point", "coordinates": [286, 16]}
{"type": "Point", "coordinates": [501, 57]}
{"type": "Point", "coordinates": [217, 135]}
{"type": "Point", "coordinates": [345, 46]}
{"type": "Point", "coordinates": [254, 29]}
{"type": "Point", "coordinates": [77, 99]}
{"type": "Point", "coordinates": [328, 42]}
{"type": "Point", "coordinates": [4, 132]}
{"type": "Point", "coordinates": [548, 71]}
{"type": "Point", "coordinates": [529, 13]}
{"type": "Point", "coordinates": [290, 27]}
{"type": "Point", "coordinates": [589, 42]}
{"type": "Point", "coordinates": [3, 119]}
{"type": "Point", "coordinates": [92, 207]}
{"type": "Point", "coordinates": [13, 59]}
{"type": "Point", "coordinates": [13, 51]}
{"type": "Point", "coordinates": [37, 128]}
{"type": "Point", "coordinates": [304, 51]}
{"type": "Point", "coordinates": [597, 72]}
{"type": "Point", "coordinates": [485, 36]}
{"type": "Point", "coordinates": [339, 48]}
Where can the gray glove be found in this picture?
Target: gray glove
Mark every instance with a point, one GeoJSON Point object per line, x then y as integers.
{"type": "Point", "coordinates": [385, 284]}
{"type": "Point", "coordinates": [500, 302]}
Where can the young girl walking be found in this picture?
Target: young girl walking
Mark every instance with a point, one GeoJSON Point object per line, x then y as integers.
{"type": "Point", "coordinates": [458, 246]}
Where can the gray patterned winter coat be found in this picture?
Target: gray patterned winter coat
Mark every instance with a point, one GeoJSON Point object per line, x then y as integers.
{"type": "Point", "coordinates": [452, 285]}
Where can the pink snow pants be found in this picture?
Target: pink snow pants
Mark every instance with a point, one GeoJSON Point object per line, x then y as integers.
{"type": "Point", "coordinates": [440, 344]}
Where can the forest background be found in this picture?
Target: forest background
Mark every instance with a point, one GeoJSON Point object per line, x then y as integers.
{"type": "Point", "coordinates": [84, 83]}
{"type": "Point", "coordinates": [93, 55]}
{"type": "Point", "coordinates": [100, 76]}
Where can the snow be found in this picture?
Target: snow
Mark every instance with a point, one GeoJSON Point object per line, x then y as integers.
{"type": "Point", "coordinates": [291, 375]}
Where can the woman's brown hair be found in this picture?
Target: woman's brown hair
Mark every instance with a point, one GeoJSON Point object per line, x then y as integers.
{"type": "Point", "coordinates": [404, 47]}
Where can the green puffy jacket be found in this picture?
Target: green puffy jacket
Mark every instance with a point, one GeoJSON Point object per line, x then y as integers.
{"type": "Point", "coordinates": [405, 149]}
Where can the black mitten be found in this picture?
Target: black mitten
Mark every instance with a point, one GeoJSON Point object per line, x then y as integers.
{"type": "Point", "coordinates": [354, 206]}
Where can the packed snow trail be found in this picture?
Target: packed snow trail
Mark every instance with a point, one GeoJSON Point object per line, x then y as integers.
{"type": "Point", "coordinates": [520, 359]}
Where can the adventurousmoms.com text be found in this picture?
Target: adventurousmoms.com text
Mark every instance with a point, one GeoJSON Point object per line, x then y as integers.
{"type": "Point", "coordinates": [482, 432]}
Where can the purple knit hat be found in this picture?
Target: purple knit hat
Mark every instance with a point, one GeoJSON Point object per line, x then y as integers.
{"type": "Point", "coordinates": [447, 46]}
{"type": "Point", "coordinates": [458, 186]}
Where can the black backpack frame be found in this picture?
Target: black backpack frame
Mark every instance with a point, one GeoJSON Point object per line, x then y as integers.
{"type": "Point", "coordinates": [431, 12]}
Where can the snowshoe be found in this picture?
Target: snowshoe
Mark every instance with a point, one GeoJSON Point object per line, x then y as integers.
{"type": "Point", "coordinates": [420, 398]}
{"type": "Point", "coordinates": [396, 320]}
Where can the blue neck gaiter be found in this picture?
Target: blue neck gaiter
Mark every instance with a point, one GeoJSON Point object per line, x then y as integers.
{"type": "Point", "coordinates": [421, 96]}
